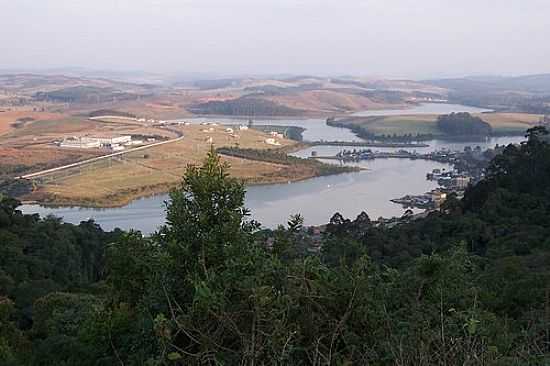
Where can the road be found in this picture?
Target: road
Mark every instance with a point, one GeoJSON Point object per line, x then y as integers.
{"type": "Point", "coordinates": [84, 162]}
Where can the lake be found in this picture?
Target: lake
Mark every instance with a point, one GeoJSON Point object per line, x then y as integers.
{"type": "Point", "coordinates": [317, 129]}
{"type": "Point", "coordinates": [317, 199]}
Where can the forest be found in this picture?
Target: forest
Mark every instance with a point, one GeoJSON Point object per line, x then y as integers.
{"type": "Point", "coordinates": [463, 124]}
{"type": "Point", "coordinates": [244, 106]}
{"type": "Point", "coordinates": [467, 285]}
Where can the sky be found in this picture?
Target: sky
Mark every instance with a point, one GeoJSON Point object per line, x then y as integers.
{"type": "Point", "coordinates": [384, 38]}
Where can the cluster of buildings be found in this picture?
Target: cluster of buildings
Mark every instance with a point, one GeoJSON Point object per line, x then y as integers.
{"type": "Point", "coordinates": [273, 139]}
{"type": "Point", "coordinates": [429, 200]}
{"type": "Point", "coordinates": [114, 143]}
{"type": "Point", "coordinates": [126, 118]}
{"type": "Point", "coordinates": [427, 100]}
{"type": "Point", "coordinates": [210, 127]}
{"type": "Point", "coordinates": [450, 179]}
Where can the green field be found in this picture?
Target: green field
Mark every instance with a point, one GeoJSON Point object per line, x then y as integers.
{"type": "Point", "coordinates": [401, 125]}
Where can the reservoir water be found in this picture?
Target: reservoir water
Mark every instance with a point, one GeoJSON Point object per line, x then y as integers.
{"type": "Point", "coordinates": [316, 199]}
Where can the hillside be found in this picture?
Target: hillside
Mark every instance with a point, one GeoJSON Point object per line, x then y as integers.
{"type": "Point", "coordinates": [530, 93]}
{"type": "Point", "coordinates": [466, 285]}
{"type": "Point", "coordinates": [528, 84]}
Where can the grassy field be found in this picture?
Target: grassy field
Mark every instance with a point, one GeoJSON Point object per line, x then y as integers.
{"type": "Point", "coordinates": [8, 118]}
{"type": "Point", "coordinates": [502, 123]}
{"type": "Point", "coordinates": [330, 101]}
{"type": "Point", "coordinates": [402, 125]}
{"type": "Point", "coordinates": [510, 123]}
{"type": "Point", "coordinates": [159, 169]}
{"type": "Point", "coordinates": [30, 147]}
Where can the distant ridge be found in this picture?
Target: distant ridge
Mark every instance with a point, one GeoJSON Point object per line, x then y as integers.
{"type": "Point", "coordinates": [538, 83]}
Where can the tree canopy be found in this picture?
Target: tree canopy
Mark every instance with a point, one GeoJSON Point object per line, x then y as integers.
{"type": "Point", "coordinates": [463, 124]}
{"type": "Point", "coordinates": [467, 285]}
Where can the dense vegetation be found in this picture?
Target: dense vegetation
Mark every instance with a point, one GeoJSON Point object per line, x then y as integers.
{"type": "Point", "coordinates": [110, 112]}
{"type": "Point", "coordinates": [469, 285]}
{"type": "Point", "coordinates": [45, 266]}
{"type": "Point", "coordinates": [244, 106]}
{"type": "Point", "coordinates": [84, 94]}
{"type": "Point", "coordinates": [14, 187]}
{"type": "Point", "coordinates": [463, 124]}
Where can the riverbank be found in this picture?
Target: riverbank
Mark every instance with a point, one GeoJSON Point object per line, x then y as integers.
{"type": "Point", "coordinates": [116, 182]}
{"type": "Point", "coordinates": [125, 197]}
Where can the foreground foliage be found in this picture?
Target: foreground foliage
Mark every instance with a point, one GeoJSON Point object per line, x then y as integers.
{"type": "Point", "coordinates": [465, 286]}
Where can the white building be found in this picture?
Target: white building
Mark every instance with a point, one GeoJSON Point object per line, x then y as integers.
{"type": "Point", "coordinates": [272, 141]}
{"type": "Point", "coordinates": [276, 134]}
{"type": "Point", "coordinates": [460, 182]}
{"type": "Point", "coordinates": [117, 147]}
{"type": "Point", "coordinates": [87, 142]}
{"type": "Point", "coordinates": [79, 143]}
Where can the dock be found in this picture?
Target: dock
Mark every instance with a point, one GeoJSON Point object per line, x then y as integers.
{"type": "Point", "coordinates": [384, 155]}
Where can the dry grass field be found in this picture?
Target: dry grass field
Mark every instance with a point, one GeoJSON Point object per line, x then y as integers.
{"type": "Point", "coordinates": [8, 118]}
{"type": "Point", "coordinates": [159, 169]}
{"type": "Point", "coordinates": [504, 123]}
{"type": "Point", "coordinates": [329, 101]}
{"type": "Point", "coordinates": [41, 155]}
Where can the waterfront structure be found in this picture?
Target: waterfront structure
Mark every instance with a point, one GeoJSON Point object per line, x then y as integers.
{"type": "Point", "coordinates": [460, 182]}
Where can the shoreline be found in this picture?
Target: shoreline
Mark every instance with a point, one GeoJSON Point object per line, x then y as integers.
{"type": "Point", "coordinates": [127, 200]}
{"type": "Point", "coordinates": [314, 115]}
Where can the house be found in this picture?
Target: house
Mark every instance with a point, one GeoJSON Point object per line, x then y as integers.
{"type": "Point", "coordinates": [272, 141]}
{"type": "Point", "coordinates": [437, 197]}
{"type": "Point", "coordinates": [460, 182]}
{"type": "Point", "coordinates": [117, 147]}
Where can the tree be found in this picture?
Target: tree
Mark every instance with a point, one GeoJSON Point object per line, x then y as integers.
{"type": "Point", "coordinates": [205, 216]}
{"type": "Point", "coordinates": [463, 124]}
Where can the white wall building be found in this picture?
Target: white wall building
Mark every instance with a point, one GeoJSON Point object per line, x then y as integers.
{"type": "Point", "coordinates": [87, 142]}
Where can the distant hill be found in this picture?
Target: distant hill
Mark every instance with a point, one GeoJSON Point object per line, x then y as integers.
{"type": "Point", "coordinates": [245, 106]}
{"type": "Point", "coordinates": [530, 93]}
{"type": "Point", "coordinates": [84, 94]}
{"type": "Point", "coordinates": [529, 83]}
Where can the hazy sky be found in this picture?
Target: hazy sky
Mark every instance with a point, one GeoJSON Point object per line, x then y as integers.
{"type": "Point", "coordinates": [392, 38]}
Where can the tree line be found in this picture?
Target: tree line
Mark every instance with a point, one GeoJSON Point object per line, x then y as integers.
{"type": "Point", "coordinates": [467, 285]}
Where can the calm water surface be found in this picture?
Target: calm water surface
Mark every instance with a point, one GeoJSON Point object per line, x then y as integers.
{"type": "Point", "coordinates": [316, 199]}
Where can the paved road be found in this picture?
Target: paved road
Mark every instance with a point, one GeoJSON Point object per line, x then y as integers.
{"type": "Point", "coordinates": [83, 162]}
